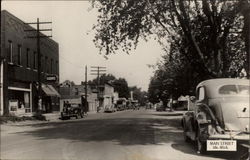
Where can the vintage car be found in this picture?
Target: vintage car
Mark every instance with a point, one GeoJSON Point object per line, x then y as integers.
{"type": "Point", "coordinates": [72, 110]}
{"type": "Point", "coordinates": [110, 108]}
{"type": "Point", "coordinates": [220, 114]}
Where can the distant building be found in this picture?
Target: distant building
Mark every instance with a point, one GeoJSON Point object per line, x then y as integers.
{"type": "Point", "coordinates": [76, 94]}
{"type": "Point", "coordinates": [19, 75]}
{"type": "Point", "coordinates": [107, 95]}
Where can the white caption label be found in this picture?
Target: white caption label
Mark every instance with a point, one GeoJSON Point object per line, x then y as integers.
{"type": "Point", "coordinates": [221, 145]}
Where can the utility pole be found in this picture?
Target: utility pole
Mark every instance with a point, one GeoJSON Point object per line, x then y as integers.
{"type": "Point", "coordinates": [38, 37]}
{"type": "Point", "coordinates": [97, 70]}
{"type": "Point", "coordinates": [86, 89]}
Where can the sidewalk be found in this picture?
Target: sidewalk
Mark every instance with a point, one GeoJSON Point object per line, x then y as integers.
{"type": "Point", "coordinates": [52, 116]}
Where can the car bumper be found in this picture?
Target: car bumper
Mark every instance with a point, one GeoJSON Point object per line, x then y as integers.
{"type": "Point", "coordinates": [242, 139]}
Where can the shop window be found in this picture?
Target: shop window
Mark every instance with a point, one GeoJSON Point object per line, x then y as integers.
{"type": "Point", "coordinates": [28, 58]}
{"type": "Point", "coordinates": [10, 51]}
{"type": "Point", "coordinates": [19, 54]}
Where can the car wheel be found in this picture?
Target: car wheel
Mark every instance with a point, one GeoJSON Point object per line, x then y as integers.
{"type": "Point", "coordinates": [185, 137]}
{"type": "Point", "coordinates": [81, 114]}
{"type": "Point", "coordinates": [78, 115]}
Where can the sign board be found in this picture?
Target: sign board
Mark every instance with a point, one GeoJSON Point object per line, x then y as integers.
{"type": "Point", "coordinates": [13, 105]}
{"type": "Point", "coordinates": [221, 145]}
{"type": "Point", "coordinates": [51, 77]}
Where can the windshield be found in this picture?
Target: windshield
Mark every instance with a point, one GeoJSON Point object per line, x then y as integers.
{"type": "Point", "coordinates": [119, 102]}
{"type": "Point", "coordinates": [234, 89]}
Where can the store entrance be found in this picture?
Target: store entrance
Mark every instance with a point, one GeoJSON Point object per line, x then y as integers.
{"type": "Point", "coordinates": [19, 101]}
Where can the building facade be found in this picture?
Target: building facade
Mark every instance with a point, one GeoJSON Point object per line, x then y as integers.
{"type": "Point", "coordinates": [76, 94]}
{"type": "Point", "coordinates": [107, 95]}
{"type": "Point", "coordinates": [19, 69]}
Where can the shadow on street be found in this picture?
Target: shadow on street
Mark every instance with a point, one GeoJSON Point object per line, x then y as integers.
{"type": "Point", "coordinates": [122, 131]}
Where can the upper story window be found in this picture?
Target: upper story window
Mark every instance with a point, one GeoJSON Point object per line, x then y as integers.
{"type": "Point", "coordinates": [19, 54]}
{"type": "Point", "coordinates": [34, 60]}
{"type": "Point", "coordinates": [10, 51]}
{"type": "Point", "coordinates": [56, 67]}
{"type": "Point", "coordinates": [51, 65]}
{"type": "Point", "coordinates": [46, 68]}
{"type": "Point", "coordinates": [28, 58]}
{"type": "Point", "coordinates": [42, 64]}
{"type": "Point", "coordinates": [76, 91]}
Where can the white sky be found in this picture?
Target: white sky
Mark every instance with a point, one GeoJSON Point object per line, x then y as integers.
{"type": "Point", "coordinates": [72, 23]}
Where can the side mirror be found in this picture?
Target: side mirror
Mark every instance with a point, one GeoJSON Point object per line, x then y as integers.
{"type": "Point", "coordinates": [193, 99]}
{"type": "Point", "coordinates": [201, 118]}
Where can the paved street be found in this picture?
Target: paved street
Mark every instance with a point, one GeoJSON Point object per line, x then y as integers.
{"type": "Point", "coordinates": [126, 135]}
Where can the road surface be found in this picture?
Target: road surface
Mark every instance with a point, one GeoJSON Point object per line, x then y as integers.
{"type": "Point", "coordinates": [126, 135]}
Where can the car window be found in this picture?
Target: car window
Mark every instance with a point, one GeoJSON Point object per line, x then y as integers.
{"type": "Point", "coordinates": [243, 89]}
{"type": "Point", "coordinates": [234, 89]}
{"type": "Point", "coordinates": [201, 93]}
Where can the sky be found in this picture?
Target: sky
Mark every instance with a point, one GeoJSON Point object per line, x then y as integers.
{"type": "Point", "coordinates": [72, 23]}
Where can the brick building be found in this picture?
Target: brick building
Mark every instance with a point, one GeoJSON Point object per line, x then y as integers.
{"type": "Point", "coordinates": [19, 63]}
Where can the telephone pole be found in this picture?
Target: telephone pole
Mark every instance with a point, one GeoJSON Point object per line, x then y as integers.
{"type": "Point", "coordinates": [38, 37]}
{"type": "Point", "coordinates": [97, 70]}
{"type": "Point", "coordinates": [86, 88]}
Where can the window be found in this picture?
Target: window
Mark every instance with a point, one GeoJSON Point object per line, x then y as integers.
{"type": "Point", "coordinates": [46, 68]}
{"type": "Point", "coordinates": [19, 54]}
{"type": "Point", "coordinates": [28, 58]}
{"type": "Point", "coordinates": [10, 52]}
{"type": "Point", "coordinates": [76, 91]}
{"type": "Point", "coordinates": [201, 93]}
{"type": "Point", "coordinates": [234, 89]}
{"type": "Point", "coordinates": [56, 67]}
{"type": "Point", "coordinates": [42, 64]}
{"type": "Point", "coordinates": [51, 66]}
{"type": "Point", "coordinates": [35, 60]}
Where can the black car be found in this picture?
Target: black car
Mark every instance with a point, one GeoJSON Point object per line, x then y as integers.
{"type": "Point", "coordinates": [72, 110]}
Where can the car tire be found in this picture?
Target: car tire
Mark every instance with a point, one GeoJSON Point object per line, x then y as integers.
{"type": "Point", "coordinates": [201, 146]}
{"type": "Point", "coordinates": [78, 115]}
{"type": "Point", "coordinates": [185, 137]}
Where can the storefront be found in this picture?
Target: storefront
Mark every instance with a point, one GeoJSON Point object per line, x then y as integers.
{"type": "Point", "coordinates": [50, 100]}
{"type": "Point", "coordinates": [20, 101]}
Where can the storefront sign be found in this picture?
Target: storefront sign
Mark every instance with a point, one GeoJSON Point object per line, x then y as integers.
{"type": "Point", "coordinates": [51, 78]}
{"type": "Point", "coordinates": [13, 105]}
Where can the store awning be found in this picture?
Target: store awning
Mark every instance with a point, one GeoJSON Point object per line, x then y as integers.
{"type": "Point", "coordinates": [49, 90]}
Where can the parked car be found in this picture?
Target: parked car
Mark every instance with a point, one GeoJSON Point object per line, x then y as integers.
{"type": "Point", "coordinates": [160, 107]}
{"type": "Point", "coordinates": [110, 108]}
{"type": "Point", "coordinates": [221, 112]}
{"type": "Point", "coordinates": [72, 110]}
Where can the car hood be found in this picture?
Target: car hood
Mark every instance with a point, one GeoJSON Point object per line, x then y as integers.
{"type": "Point", "coordinates": [236, 115]}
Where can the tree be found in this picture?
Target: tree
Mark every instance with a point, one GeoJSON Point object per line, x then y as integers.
{"type": "Point", "coordinates": [120, 85]}
{"type": "Point", "coordinates": [206, 32]}
{"type": "Point", "coordinates": [138, 94]}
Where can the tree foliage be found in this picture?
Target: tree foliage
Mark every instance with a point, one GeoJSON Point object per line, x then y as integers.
{"type": "Point", "coordinates": [207, 32]}
{"type": "Point", "coordinates": [139, 95]}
